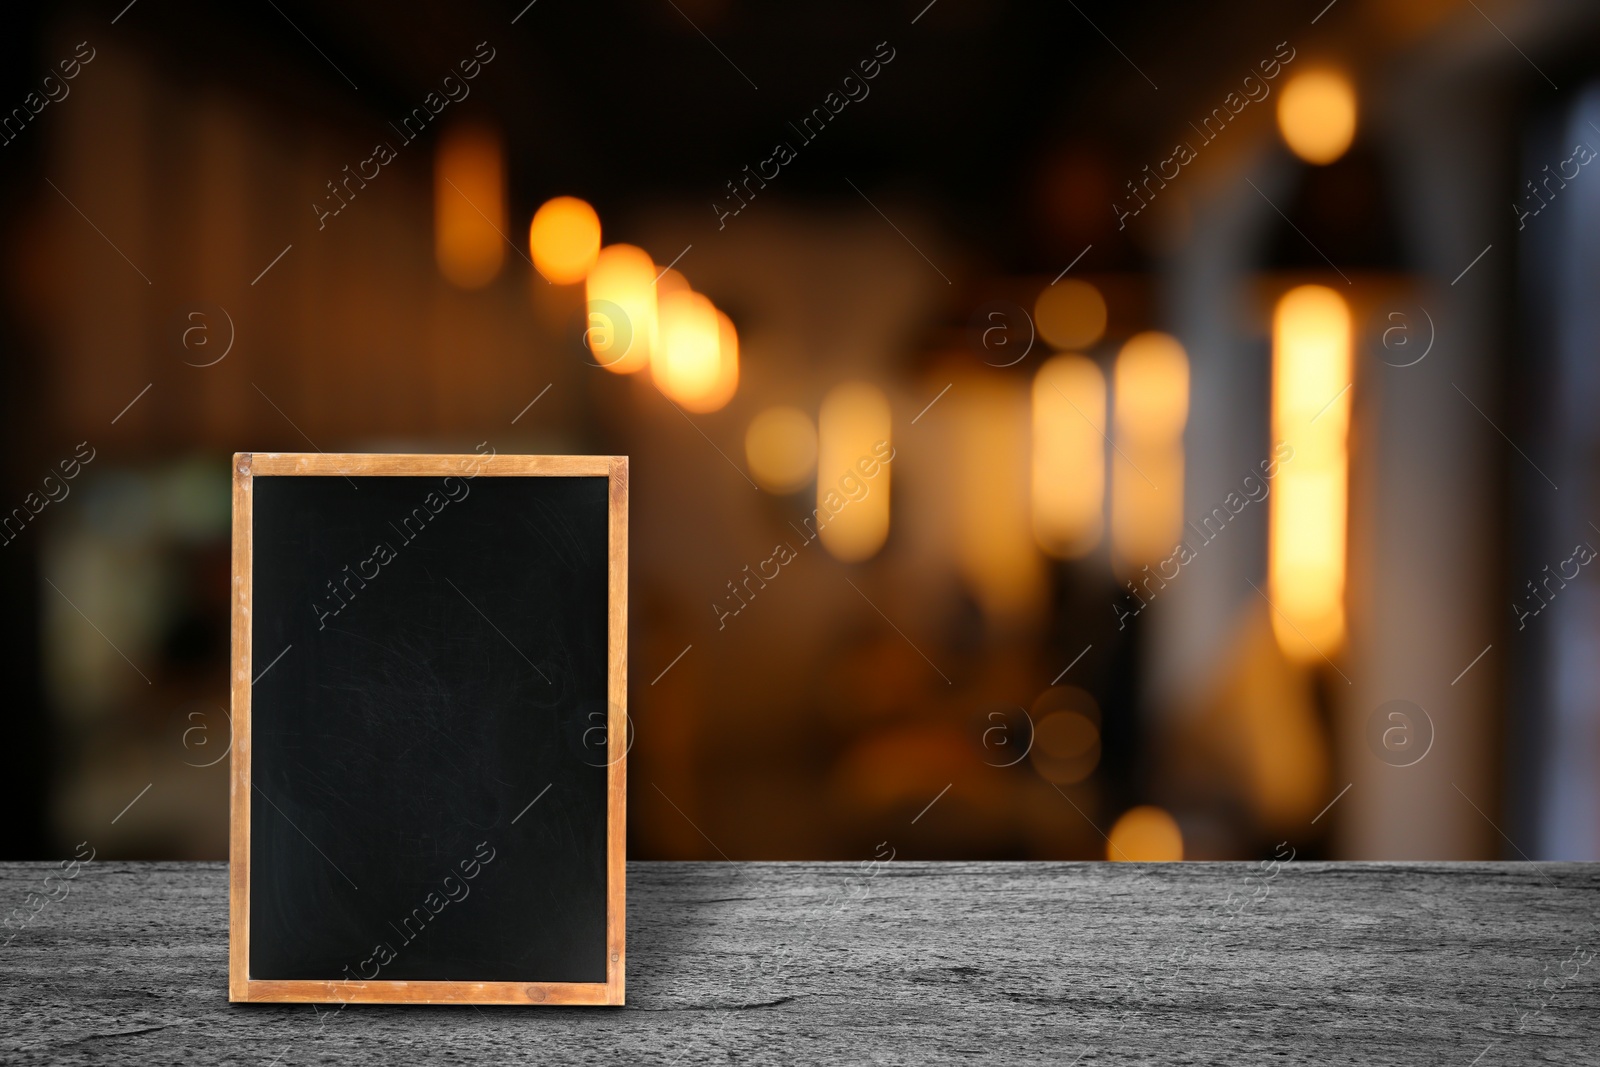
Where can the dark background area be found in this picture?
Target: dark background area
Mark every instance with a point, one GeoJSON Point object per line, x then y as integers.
{"type": "Point", "coordinates": [880, 699]}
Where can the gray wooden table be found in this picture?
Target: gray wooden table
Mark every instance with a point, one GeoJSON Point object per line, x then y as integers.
{"type": "Point", "coordinates": [1469, 964]}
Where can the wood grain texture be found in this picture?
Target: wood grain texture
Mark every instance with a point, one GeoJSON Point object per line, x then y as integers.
{"type": "Point", "coordinates": [336, 992]}
{"type": "Point", "coordinates": [618, 736]}
{"type": "Point", "coordinates": [353, 464]}
{"type": "Point", "coordinates": [903, 963]}
{"type": "Point", "coordinates": [239, 752]}
{"type": "Point", "coordinates": [241, 987]}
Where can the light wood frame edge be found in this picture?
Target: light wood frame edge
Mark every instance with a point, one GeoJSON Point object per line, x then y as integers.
{"type": "Point", "coordinates": [362, 464]}
{"type": "Point", "coordinates": [241, 987]}
{"type": "Point", "coordinates": [617, 732]}
{"type": "Point", "coordinates": [310, 991]}
{"type": "Point", "coordinates": [239, 762]}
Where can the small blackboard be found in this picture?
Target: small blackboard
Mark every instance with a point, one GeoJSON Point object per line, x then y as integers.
{"type": "Point", "coordinates": [430, 728]}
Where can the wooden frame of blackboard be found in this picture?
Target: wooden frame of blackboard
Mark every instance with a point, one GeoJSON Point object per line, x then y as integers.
{"type": "Point", "coordinates": [241, 987]}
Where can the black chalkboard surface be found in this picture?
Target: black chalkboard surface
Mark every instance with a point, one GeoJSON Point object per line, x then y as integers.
{"type": "Point", "coordinates": [429, 767]}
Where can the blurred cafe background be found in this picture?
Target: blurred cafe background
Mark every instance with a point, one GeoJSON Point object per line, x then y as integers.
{"type": "Point", "coordinates": [1058, 431]}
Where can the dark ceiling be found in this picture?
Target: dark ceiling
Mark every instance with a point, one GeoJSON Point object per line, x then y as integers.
{"type": "Point", "coordinates": [634, 104]}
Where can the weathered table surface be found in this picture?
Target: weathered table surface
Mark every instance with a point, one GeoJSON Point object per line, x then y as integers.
{"type": "Point", "coordinates": [1469, 964]}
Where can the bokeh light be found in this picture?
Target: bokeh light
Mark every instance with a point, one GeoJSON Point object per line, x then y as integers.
{"type": "Point", "coordinates": [1151, 402]}
{"type": "Point", "coordinates": [671, 281]}
{"type": "Point", "coordinates": [621, 291]}
{"type": "Point", "coordinates": [564, 239]}
{"type": "Point", "coordinates": [727, 380]}
{"type": "Point", "coordinates": [1069, 455]}
{"type": "Point", "coordinates": [684, 361]}
{"type": "Point", "coordinates": [853, 428]}
{"type": "Point", "coordinates": [780, 447]}
{"type": "Point", "coordinates": [1028, 530]}
{"type": "Point", "coordinates": [1070, 314]}
{"type": "Point", "coordinates": [1066, 735]}
{"type": "Point", "coordinates": [469, 202]}
{"type": "Point", "coordinates": [1317, 115]}
{"type": "Point", "coordinates": [1152, 383]}
{"type": "Point", "coordinates": [989, 487]}
{"type": "Point", "coordinates": [1145, 834]}
{"type": "Point", "coordinates": [1311, 366]}
{"type": "Point", "coordinates": [1066, 698]}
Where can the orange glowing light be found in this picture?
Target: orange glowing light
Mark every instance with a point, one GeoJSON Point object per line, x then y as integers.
{"type": "Point", "coordinates": [1145, 834]}
{"type": "Point", "coordinates": [670, 281]}
{"type": "Point", "coordinates": [1151, 404]}
{"type": "Point", "coordinates": [780, 447]}
{"type": "Point", "coordinates": [1069, 456]}
{"type": "Point", "coordinates": [1066, 747]}
{"type": "Point", "coordinates": [853, 435]}
{"type": "Point", "coordinates": [1070, 314]}
{"type": "Point", "coordinates": [1317, 115]}
{"type": "Point", "coordinates": [1311, 369]}
{"type": "Point", "coordinates": [564, 239]}
{"type": "Point", "coordinates": [989, 486]}
{"type": "Point", "coordinates": [469, 206]}
{"type": "Point", "coordinates": [621, 295]}
{"type": "Point", "coordinates": [727, 381]}
{"type": "Point", "coordinates": [685, 360]}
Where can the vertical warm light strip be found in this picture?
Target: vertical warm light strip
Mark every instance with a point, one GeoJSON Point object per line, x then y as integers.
{"type": "Point", "coordinates": [1150, 397]}
{"type": "Point", "coordinates": [1311, 367]}
{"type": "Point", "coordinates": [1069, 455]}
{"type": "Point", "coordinates": [988, 486]}
{"type": "Point", "coordinates": [469, 206]}
{"type": "Point", "coordinates": [853, 453]}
